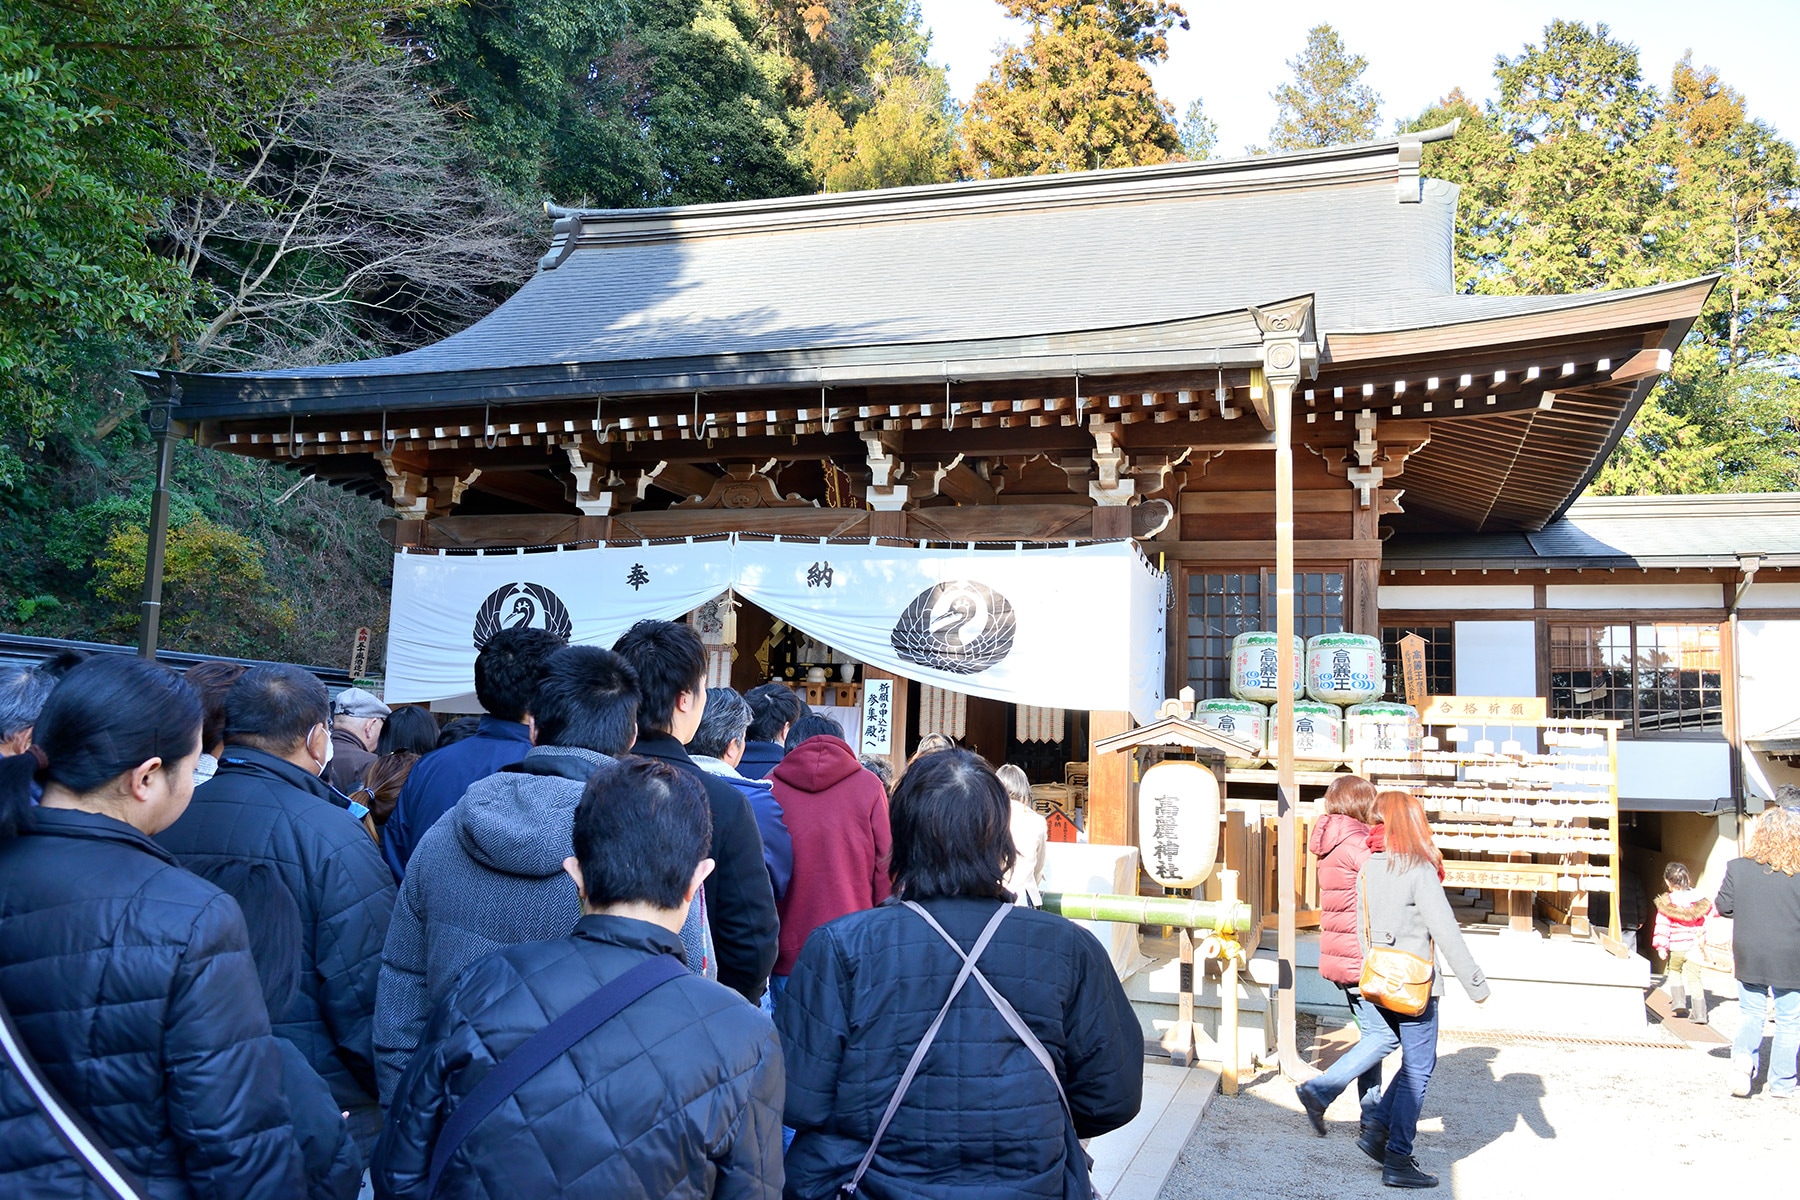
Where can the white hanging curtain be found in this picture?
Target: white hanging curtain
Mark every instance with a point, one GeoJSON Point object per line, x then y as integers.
{"type": "Point", "coordinates": [1035, 724]}
{"type": "Point", "coordinates": [1077, 626]}
{"type": "Point", "coordinates": [943, 711]}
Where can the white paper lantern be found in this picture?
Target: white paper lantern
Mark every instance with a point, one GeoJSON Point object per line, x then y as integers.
{"type": "Point", "coordinates": [1178, 822]}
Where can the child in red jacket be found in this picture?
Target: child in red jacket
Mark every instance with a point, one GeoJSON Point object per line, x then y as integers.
{"type": "Point", "coordinates": [1681, 914]}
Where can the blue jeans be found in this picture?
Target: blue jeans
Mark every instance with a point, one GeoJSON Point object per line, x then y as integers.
{"type": "Point", "coordinates": [1746, 1048]}
{"type": "Point", "coordinates": [1405, 1094]}
{"type": "Point", "coordinates": [1361, 1062]}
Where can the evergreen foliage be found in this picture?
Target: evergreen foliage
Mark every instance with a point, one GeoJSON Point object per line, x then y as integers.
{"type": "Point", "coordinates": [1199, 133]}
{"type": "Point", "coordinates": [1326, 103]}
{"type": "Point", "coordinates": [1075, 96]}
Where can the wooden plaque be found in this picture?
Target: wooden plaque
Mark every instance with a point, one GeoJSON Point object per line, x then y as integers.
{"type": "Point", "coordinates": [1481, 710]}
{"type": "Point", "coordinates": [1412, 669]}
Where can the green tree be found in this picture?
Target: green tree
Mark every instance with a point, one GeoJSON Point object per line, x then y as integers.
{"type": "Point", "coordinates": [1199, 133]}
{"type": "Point", "coordinates": [621, 103]}
{"type": "Point", "coordinates": [1326, 103]}
{"type": "Point", "coordinates": [1732, 206]}
{"type": "Point", "coordinates": [901, 140]}
{"type": "Point", "coordinates": [1572, 197]}
{"type": "Point", "coordinates": [1075, 96]}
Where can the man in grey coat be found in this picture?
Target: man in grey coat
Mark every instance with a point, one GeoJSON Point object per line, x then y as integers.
{"type": "Point", "coordinates": [490, 874]}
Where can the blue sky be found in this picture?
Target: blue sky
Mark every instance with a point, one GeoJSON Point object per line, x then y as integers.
{"type": "Point", "coordinates": [1234, 55]}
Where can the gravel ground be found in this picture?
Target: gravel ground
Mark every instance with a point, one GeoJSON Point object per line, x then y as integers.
{"type": "Point", "coordinates": [1507, 1120]}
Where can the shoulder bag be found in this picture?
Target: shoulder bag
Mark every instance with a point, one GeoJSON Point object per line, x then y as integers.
{"type": "Point", "coordinates": [1397, 980]}
{"type": "Point", "coordinates": [94, 1156]}
{"type": "Point", "coordinates": [543, 1048]}
{"type": "Point", "coordinates": [1007, 1012]}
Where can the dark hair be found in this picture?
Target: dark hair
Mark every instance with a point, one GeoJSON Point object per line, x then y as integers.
{"type": "Point", "coordinates": [22, 695]}
{"type": "Point", "coordinates": [105, 717]}
{"type": "Point", "coordinates": [881, 769]}
{"type": "Point", "coordinates": [952, 828]}
{"type": "Point", "coordinates": [1676, 875]}
{"type": "Point", "coordinates": [1354, 797]}
{"type": "Point", "coordinates": [588, 698]}
{"type": "Point", "coordinates": [773, 707]}
{"type": "Point", "coordinates": [455, 731]}
{"type": "Point", "coordinates": [213, 681]}
{"type": "Point", "coordinates": [670, 659]}
{"type": "Point", "coordinates": [381, 784]}
{"type": "Point", "coordinates": [725, 721]}
{"type": "Point", "coordinates": [509, 667]}
{"type": "Point", "coordinates": [640, 830]}
{"type": "Point", "coordinates": [272, 917]}
{"type": "Point", "coordinates": [273, 708]}
{"type": "Point", "coordinates": [408, 728]}
{"type": "Point", "coordinates": [61, 663]}
{"type": "Point", "coordinates": [812, 725]}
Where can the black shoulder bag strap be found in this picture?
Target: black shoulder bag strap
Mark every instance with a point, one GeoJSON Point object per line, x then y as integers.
{"type": "Point", "coordinates": [542, 1048]}
{"type": "Point", "coordinates": [912, 1066]}
{"type": "Point", "coordinates": [1017, 1023]}
{"type": "Point", "coordinates": [70, 1129]}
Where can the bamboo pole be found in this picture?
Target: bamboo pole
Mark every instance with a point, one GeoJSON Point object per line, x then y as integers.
{"type": "Point", "coordinates": [1177, 911]}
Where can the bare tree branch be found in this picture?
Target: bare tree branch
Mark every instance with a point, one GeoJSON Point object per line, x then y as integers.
{"type": "Point", "coordinates": [348, 223]}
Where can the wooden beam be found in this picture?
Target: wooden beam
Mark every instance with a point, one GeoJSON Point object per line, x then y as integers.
{"type": "Point", "coordinates": [1326, 550]}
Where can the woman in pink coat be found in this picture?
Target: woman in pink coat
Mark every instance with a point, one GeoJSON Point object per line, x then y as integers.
{"type": "Point", "coordinates": [1340, 840]}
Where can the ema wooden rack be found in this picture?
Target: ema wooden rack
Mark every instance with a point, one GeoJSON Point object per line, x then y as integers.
{"type": "Point", "coordinates": [1540, 825]}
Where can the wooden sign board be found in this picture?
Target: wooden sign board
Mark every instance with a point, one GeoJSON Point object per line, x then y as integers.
{"type": "Point", "coordinates": [359, 654]}
{"type": "Point", "coordinates": [1501, 877]}
{"type": "Point", "coordinates": [1481, 710]}
{"type": "Point", "coordinates": [1412, 669]}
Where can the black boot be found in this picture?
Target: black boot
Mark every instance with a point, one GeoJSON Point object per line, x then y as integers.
{"type": "Point", "coordinates": [1372, 1141]}
{"type": "Point", "coordinates": [1402, 1171]}
{"type": "Point", "coordinates": [1315, 1111]}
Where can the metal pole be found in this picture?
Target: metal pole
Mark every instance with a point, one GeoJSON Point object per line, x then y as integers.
{"type": "Point", "coordinates": [162, 427]}
{"type": "Point", "coordinates": [1287, 1042]}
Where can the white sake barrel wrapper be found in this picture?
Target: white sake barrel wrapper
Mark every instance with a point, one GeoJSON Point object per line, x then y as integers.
{"type": "Point", "coordinates": [1243, 721]}
{"type": "Point", "coordinates": [1379, 729]}
{"type": "Point", "coordinates": [1318, 737]}
{"type": "Point", "coordinates": [1344, 668]}
{"type": "Point", "coordinates": [1254, 662]}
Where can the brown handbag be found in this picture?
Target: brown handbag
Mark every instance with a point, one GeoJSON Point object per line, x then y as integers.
{"type": "Point", "coordinates": [1397, 980]}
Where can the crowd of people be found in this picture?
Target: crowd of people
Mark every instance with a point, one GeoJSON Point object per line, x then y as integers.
{"type": "Point", "coordinates": [623, 935]}
{"type": "Point", "coordinates": [629, 935]}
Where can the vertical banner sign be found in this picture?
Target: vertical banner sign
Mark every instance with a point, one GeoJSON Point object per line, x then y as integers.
{"type": "Point", "coordinates": [1412, 668]}
{"type": "Point", "coordinates": [359, 654]}
{"type": "Point", "coordinates": [877, 716]}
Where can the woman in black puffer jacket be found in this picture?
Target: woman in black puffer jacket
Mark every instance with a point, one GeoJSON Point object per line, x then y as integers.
{"type": "Point", "coordinates": [129, 980]}
{"type": "Point", "coordinates": [981, 1120]}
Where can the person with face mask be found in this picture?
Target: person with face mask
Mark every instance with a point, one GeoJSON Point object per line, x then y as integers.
{"type": "Point", "coordinates": [268, 804]}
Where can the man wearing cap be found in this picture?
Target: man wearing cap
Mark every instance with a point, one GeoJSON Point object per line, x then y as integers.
{"type": "Point", "coordinates": [356, 718]}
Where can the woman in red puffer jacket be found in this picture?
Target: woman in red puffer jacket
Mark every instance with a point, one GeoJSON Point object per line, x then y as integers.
{"type": "Point", "coordinates": [1340, 840]}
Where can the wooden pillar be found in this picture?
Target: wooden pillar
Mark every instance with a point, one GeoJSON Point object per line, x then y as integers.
{"type": "Point", "coordinates": [1112, 521]}
{"type": "Point", "coordinates": [1365, 572]}
{"type": "Point", "coordinates": [1109, 782]}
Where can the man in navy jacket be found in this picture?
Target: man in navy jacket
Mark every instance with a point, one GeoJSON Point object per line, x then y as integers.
{"type": "Point", "coordinates": [267, 804]}
{"type": "Point", "coordinates": [507, 672]}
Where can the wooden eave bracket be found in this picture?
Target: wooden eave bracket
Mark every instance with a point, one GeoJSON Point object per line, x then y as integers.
{"type": "Point", "coordinates": [743, 486]}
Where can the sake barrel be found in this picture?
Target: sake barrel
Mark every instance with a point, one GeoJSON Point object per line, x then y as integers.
{"type": "Point", "coordinates": [1244, 721]}
{"type": "Point", "coordinates": [1343, 668]}
{"type": "Point", "coordinates": [1379, 729]}
{"type": "Point", "coordinates": [1318, 736]}
{"type": "Point", "coordinates": [1178, 822]}
{"type": "Point", "coordinates": [1254, 662]}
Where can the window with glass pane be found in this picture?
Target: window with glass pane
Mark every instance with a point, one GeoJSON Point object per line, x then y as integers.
{"type": "Point", "coordinates": [1655, 678]}
{"type": "Point", "coordinates": [1223, 604]}
{"type": "Point", "coordinates": [1440, 659]}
